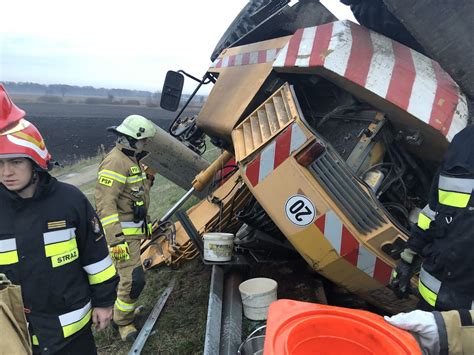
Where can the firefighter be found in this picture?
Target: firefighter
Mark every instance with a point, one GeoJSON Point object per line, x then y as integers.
{"type": "Point", "coordinates": [450, 332]}
{"type": "Point", "coordinates": [122, 199]}
{"type": "Point", "coordinates": [444, 237]}
{"type": "Point", "coordinates": [51, 243]}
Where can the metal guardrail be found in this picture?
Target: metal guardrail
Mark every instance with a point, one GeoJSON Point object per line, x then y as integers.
{"type": "Point", "coordinates": [224, 313]}
{"type": "Point", "coordinates": [214, 312]}
{"type": "Point", "coordinates": [151, 320]}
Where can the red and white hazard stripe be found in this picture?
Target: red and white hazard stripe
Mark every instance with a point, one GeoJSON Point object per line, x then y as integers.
{"type": "Point", "coordinates": [274, 154]}
{"type": "Point", "coordinates": [347, 246]}
{"type": "Point", "coordinates": [406, 78]}
{"type": "Point", "coordinates": [256, 57]}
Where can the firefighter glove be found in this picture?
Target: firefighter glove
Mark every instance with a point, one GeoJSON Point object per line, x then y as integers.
{"type": "Point", "coordinates": [401, 276]}
{"type": "Point", "coordinates": [422, 325]}
{"type": "Point", "coordinates": [120, 252]}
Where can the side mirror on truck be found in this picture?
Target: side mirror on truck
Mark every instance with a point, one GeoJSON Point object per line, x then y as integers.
{"type": "Point", "coordinates": [172, 89]}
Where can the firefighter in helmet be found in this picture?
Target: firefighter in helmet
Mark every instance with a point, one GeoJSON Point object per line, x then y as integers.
{"type": "Point", "coordinates": [122, 199]}
{"type": "Point", "coordinates": [51, 243]}
{"type": "Point", "coordinates": [443, 240]}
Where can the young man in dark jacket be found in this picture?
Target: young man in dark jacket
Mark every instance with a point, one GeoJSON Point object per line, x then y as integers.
{"type": "Point", "coordinates": [51, 243]}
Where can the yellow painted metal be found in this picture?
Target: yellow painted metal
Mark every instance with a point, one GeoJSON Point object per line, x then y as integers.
{"type": "Point", "coordinates": [376, 153]}
{"type": "Point", "coordinates": [206, 217]}
{"type": "Point", "coordinates": [289, 179]}
{"type": "Point", "coordinates": [269, 119]}
{"type": "Point", "coordinates": [204, 177]}
{"type": "Point", "coordinates": [236, 88]}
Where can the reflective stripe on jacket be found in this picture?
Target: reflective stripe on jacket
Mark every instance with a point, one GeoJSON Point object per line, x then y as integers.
{"type": "Point", "coordinates": [444, 235]}
{"type": "Point", "coordinates": [54, 247]}
{"type": "Point", "coordinates": [121, 183]}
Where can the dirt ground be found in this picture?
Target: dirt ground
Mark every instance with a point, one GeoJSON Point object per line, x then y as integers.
{"type": "Point", "coordinates": [77, 131]}
{"type": "Point", "coordinates": [81, 177]}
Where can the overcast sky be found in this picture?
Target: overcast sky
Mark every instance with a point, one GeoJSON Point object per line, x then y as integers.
{"type": "Point", "coordinates": [114, 44]}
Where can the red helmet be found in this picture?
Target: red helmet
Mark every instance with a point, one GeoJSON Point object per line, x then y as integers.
{"type": "Point", "coordinates": [24, 140]}
{"type": "Point", "coordinates": [9, 112]}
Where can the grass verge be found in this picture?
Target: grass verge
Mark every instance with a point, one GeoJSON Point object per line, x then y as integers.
{"type": "Point", "coordinates": [180, 329]}
{"type": "Point", "coordinates": [181, 326]}
{"type": "Point", "coordinates": [74, 168]}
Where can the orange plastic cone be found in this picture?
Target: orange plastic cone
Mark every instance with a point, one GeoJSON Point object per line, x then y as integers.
{"type": "Point", "coordinates": [301, 328]}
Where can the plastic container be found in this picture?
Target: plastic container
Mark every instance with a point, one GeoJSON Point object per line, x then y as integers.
{"type": "Point", "coordinates": [253, 345]}
{"type": "Point", "coordinates": [218, 246]}
{"type": "Point", "coordinates": [257, 294]}
{"type": "Point", "coordinates": [300, 328]}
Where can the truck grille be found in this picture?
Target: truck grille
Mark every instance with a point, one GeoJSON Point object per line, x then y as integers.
{"type": "Point", "coordinates": [264, 123]}
{"type": "Point", "coordinates": [346, 193]}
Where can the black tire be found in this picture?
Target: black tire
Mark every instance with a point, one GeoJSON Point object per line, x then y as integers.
{"type": "Point", "coordinates": [241, 25]}
{"type": "Point", "coordinates": [375, 16]}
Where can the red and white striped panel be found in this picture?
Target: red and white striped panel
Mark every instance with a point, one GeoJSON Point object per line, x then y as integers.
{"type": "Point", "coordinates": [274, 154]}
{"type": "Point", "coordinates": [257, 57]}
{"type": "Point", "coordinates": [406, 78]}
{"type": "Point", "coordinates": [350, 249]}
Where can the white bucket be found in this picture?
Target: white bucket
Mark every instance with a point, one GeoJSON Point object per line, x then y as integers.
{"type": "Point", "coordinates": [218, 246]}
{"type": "Point", "coordinates": [257, 294]}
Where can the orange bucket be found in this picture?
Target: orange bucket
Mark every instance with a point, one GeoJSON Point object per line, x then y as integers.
{"type": "Point", "coordinates": [301, 328]}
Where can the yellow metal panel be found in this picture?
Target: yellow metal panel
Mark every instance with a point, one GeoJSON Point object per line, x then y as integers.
{"type": "Point", "coordinates": [239, 145]}
{"type": "Point", "coordinates": [280, 109]}
{"type": "Point", "coordinates": [264, 122]}
{"type": "Point", "coordinates": [290, 179]}
{"type": "Point", "coordinates": [205, 218]}
{"type": "Point", "coordinates": [313, 247]}
{"type": "Point", "coordinates": [248, 139]}
{"type": "Point", "coordinates": [256, 131]}
{"type": "Point", "coordinates": [235, 88]}
{"type": "Point", "coordinates": [273, 115]}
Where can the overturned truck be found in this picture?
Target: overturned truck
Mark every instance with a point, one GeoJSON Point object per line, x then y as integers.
{"type": "Point", "coordinates": [331, 134]}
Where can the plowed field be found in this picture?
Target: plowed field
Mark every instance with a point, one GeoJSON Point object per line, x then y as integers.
{"type": "Point", "coordinates": [75, 131]}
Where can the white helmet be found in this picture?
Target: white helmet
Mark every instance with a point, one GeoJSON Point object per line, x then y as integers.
{"type": "Point", "coordinates": [136, 127]}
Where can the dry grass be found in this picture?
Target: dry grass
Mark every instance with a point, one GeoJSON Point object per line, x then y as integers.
{"type": "Point", "coordinates": [180, 328]}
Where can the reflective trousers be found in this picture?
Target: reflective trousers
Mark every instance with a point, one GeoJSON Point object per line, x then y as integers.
{"type": "Point", "coordinates": [132, 282]}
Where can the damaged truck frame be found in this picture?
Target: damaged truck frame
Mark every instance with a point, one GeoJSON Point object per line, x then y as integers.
{"type": "Point", "coordinates": [331, 134]}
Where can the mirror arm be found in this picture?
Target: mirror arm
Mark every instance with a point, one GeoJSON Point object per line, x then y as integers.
{"type": "Point", "coordinates": [206, 79]}
{"type": "Point", "coordinates": [191, 76]}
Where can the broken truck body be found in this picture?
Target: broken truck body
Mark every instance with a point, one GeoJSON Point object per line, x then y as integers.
{"type": "Point", "coordinates": [336, 133]}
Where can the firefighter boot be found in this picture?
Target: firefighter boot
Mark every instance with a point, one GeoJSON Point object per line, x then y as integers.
{"type": "Point", "coordinates": [128, 332]}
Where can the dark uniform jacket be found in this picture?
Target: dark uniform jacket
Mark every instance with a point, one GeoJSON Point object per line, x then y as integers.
{"type": "Point", "coordinates": [54, 247]}
{"type": "Point", "coordinates": [444, 235]}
